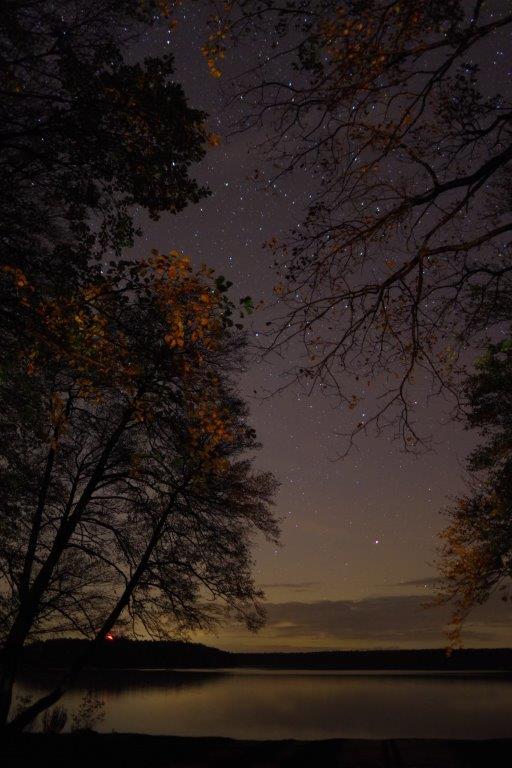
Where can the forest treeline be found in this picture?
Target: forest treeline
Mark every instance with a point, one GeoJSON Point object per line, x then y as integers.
{"type": "Point", "coordinates": [127, 654]}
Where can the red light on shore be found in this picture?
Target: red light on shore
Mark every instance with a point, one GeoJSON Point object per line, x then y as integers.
{"type": "Point", "coordinates": [110, 637]}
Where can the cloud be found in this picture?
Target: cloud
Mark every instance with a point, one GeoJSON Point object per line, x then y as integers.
{"type": "Point", "coordinates": [384, 620]}
{"type": "Point", "coordinates": [381, 619]}
{"type": "Point", "coordinates": [374, 622]}
{"type": "Point", "coordinates": [428, 581]}
{"type": "Point", "coordinates": [296, 586]}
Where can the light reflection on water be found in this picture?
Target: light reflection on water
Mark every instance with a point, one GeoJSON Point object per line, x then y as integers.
{"type": "Point", "coordinates": [270, 704]}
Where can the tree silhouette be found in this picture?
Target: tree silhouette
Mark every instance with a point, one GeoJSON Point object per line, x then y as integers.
{"type": "Point", "coordinates": [403, 259]}
{"type": "Point", "coordinates": [86, 139]}
{"type": "Point", "coordinates": [476, 552]}
{"type": "Point", "coordinates": [125, 491]}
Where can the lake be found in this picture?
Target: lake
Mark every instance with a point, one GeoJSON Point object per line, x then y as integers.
{"type": "Point", "coordinates": [273, 704]}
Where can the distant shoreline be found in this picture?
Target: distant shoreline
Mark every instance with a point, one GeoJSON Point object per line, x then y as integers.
{"type": "Point", "coordinates": [166, 655]}
{"type": "Point", "coordinates": [391, 672]}
{"type": "Point", "coordinates": [127, 750]}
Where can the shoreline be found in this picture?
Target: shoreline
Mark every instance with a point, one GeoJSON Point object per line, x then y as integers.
{"type": "Point", "coordinates": [286, 671]}
{"type": "Point", "coordinates": [79, 750]}
{"type": "Point", "coordinates": [128, 654]}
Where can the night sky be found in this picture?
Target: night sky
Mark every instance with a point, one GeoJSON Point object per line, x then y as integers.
{"type": "Point", "coordinates": [358, 535]}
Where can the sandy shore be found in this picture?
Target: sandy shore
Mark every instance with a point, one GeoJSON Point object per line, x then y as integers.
{"type": "Point", "coordinates": [126, 750]}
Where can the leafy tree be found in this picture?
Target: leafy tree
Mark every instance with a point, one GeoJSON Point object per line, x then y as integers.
{"type": "Point", "coordinates": [403, 259]}
{"type": "Point", "coordinates": [127, 494]}
{"type": "Point", "coordinates": [476, 555]}
{"type": "Point", "coordinates": [86, 138]}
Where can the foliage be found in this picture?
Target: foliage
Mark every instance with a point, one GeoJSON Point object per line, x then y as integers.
{"type": "Point", "coordinates": [476, 553]}
{"type": "Point", "coordinates": [403, 259]}
{"type": "Point", "coordinates": [87, 139]}
{"type": "Point", "coordinates": [126, 495]}
{"type": "Point", "coordinates": [128, 498]}
{"type": "Point", "coordinates": [90, 713]}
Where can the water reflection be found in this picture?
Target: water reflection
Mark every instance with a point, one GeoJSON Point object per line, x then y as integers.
{"type": "Point", "coordinates": [274, 705]}
{"type": "Point", "coordinates": [121, 681]}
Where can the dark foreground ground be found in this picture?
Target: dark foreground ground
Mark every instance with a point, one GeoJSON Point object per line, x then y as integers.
{"type": "Point", "coordinates": [127, 750]}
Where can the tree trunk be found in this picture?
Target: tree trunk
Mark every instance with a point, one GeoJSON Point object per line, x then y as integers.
{"type": "Point", "coordinates": [33, 593]}
{"type": "Point", "coordinates": [28, 715]}
{"type": "Point", "coordinates": [11, 657]}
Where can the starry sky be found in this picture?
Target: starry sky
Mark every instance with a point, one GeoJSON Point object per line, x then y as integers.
{"type": "Point", "coordinates": [356, 563]}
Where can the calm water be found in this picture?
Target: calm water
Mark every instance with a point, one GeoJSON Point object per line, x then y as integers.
{"type": "Point", "coordinates": [271, 704]}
